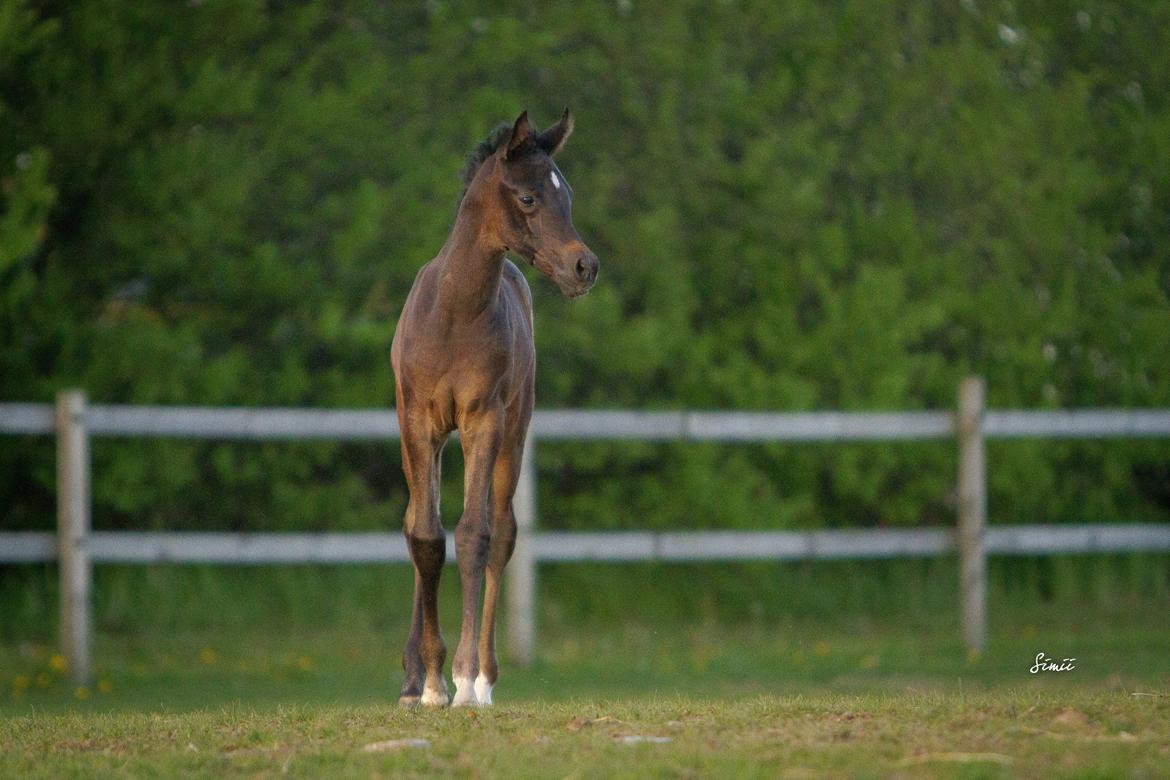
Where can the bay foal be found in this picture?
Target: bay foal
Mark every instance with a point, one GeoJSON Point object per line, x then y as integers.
{"type": "Point", "coordinates": [464, 359]}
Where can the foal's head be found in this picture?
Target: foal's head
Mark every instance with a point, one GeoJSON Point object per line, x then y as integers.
{"type": "Point", "coordinates": [532, 204]}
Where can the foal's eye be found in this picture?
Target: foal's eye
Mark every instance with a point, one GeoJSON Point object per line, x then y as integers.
{"type": "Point", "coordinates": [527, 200]}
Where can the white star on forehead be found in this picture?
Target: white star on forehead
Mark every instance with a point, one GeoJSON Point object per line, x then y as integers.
{"type": "Point", "coordinates": [555, 179]}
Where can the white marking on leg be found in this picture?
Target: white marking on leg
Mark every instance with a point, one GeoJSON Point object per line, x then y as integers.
{"type": "Point", "coordinates": [465, 693]}
{"type": "Point", "coordinates": [555, 179]}
{"type": "Point", "coordinates": [435, 695]}
{"type": "Point", "coordinates": [483, 691]}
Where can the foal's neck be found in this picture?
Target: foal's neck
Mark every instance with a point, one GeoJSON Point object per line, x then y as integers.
{"type": "Point", "coordinates": [473, 262]}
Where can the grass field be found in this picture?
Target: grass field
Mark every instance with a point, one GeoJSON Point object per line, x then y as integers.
{"type": "Point", "coordinates": [850, 697]}
{"type": "Point", "coordinates": [1027, 733]}
{"type": "Point", "coordinates": [835, 670]}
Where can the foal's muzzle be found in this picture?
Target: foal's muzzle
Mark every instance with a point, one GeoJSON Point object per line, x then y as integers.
{"type": "Point", "coordinates": [584, 269]}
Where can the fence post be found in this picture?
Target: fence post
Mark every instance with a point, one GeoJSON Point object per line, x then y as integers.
{"type": "Point", "coordinates": [73, 527]}
{"type": "Point", "coordinates": [521, 578]}
{"type": "Point", "coordinates": [972, 514]}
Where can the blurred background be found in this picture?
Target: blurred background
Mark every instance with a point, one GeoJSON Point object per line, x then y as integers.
{"type": "Point", "coordinates": [798, 206]}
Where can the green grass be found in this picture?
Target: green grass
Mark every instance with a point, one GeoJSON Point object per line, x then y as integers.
{"type": "Point", "coordinates": [1015, 732]}
{"type": "Point", "coordinates": [283, 599]}
{"type": "Point", "coordinates": [853, 697]}
{"type": "Point", "coordinates": [287, 672]}
{"type": "Point", "coordinates": [189, 669]}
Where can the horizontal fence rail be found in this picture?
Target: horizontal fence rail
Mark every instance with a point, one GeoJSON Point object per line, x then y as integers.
{"type": "Point", "coordinates": [1077, 423]}
{"type": "Point", "coordinates": [77, 547]}
{"type": "Point", "coordinates": [571, 424]}
{"type": "Point", "coordinates": [156, 547]}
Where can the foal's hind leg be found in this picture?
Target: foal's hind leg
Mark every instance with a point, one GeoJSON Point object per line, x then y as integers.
{"type": "Point", "coordinates": [480, 436]}
{"type": "Point", "coordinates": [423, 657]}
{"type": "Point", "coordinates": [412, 663]}
{"type": "Point", "coordinates": [503, 542]}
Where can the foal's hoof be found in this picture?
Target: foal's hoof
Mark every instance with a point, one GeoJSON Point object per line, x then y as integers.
{"type": "Point", "coordinates": [464, 693]}
{"type": "Point", "coordinates": [411, 693]}
{"type": "Point", "coordinates": [435, 696]}
{"type": "Point", "coordinates": [483, 691]}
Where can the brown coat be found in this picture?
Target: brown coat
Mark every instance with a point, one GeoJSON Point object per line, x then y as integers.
{"type": "Point", "coordinates": [464, 359]}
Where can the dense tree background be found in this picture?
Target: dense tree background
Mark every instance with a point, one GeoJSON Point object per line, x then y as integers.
{"type": "Point", "coordinates": [798, 205]}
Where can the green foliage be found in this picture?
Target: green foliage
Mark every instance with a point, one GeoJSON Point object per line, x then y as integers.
{"type": "Point", "coordinates": [797, 206]}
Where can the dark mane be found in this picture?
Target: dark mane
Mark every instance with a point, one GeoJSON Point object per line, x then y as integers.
{"type": "Point", "coordinates": [483, 150]}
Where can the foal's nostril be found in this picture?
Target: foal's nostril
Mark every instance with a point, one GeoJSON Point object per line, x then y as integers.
{"type": "Point", "coordinates": [587, 268]}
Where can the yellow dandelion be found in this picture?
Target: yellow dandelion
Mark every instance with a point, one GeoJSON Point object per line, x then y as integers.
{"type": "Point", "coordinates": [81, 692]}
{"type": "Point", "coordinates": [974, 656]}
{"type": "Point", "coordinates": [44, 679]}
{"type": "Point", "coordinates": [208, 655]}
{"type": "Point", "coordinates": [305, 663]}
{"type": "Point", "coordinates": [20, 683]}
{"type": "Point", "coordinates": [821, 648]}
{"type": "Point", "coordinates": [58, 663]}
{"type": "Point", "coordinates": [105, 686]}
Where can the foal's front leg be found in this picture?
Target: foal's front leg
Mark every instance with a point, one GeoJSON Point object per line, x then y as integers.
{"type": "Point", "coordinates": [481, 444]}
{"type": "Point", "coordinates": [425, 651]}
{"type": "Point", "coordinates": [504, 479]}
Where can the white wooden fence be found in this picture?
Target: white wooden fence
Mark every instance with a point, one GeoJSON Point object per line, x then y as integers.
{"type": "Point", "coordinates": [78, 547]}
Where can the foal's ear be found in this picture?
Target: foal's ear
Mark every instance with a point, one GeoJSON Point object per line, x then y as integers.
{"type": "Point", "coordinates": [552, 139]}
{"type": "Point", "coordinates": [522, 133]}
